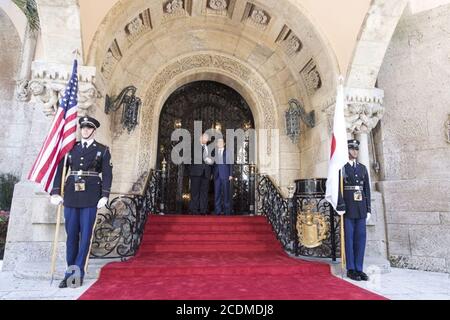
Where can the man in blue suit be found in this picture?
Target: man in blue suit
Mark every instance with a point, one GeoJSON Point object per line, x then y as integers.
{"type": "Point", "coordinates": [355, 204]}
{"type": "Point", "coordinates": [223, 175]}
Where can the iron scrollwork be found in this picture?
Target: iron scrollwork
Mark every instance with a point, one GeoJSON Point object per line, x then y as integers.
{"type": "Point", "coordinates": [119, 230]}
{"type": "Point", "coordinates": [131, 105]}
{"type": "Point", "coordinates": [277, 209]}
{"type": "Point", "coordinates": [320, 241]}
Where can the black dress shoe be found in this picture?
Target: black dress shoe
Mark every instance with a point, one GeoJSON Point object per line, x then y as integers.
{"type": "Point", "coordinates": [363, 276]}
{"type": "Point", "coordinates": [353, 275]}
{"type": "Point", "coordinates": [76, 283]}
{"type": "Point", "coordinates": [63, 284]}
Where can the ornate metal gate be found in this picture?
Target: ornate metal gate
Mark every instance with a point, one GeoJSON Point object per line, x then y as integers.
{"type": "Point", "coordinates": [217, 106]}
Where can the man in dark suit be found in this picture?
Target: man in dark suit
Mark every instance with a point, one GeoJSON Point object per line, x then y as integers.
{"type": "Point", "coordinates": [356, 206]}
{"type": "Point", "coordinates": [200, 173]}
{"type": "Point", "coordinates": [84, 193]}
{"type": "Point", "coordinates": [223, 175]}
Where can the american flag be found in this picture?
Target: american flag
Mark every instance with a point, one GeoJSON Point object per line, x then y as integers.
{"type": "Point", "coordinates": [61, 137]}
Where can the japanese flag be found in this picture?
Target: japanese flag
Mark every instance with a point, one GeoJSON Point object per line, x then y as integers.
{"type": "Point", "coordinates": [339, 149]}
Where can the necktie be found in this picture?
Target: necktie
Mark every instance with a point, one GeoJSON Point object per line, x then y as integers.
{"type": "Point", "coordinates": [203, 153]}
{"type": "Point", "coordinates": [85, 145]}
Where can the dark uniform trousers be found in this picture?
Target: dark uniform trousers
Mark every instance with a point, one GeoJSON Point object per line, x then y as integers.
{"type": "Point", "coordinates": [356, 211]}
{"type": "Point", "coordinates": [80, 207]}
{"type": "Point", "coordinates": [223, 170]}
{"type": "Point", "coordinates": [200, 174]}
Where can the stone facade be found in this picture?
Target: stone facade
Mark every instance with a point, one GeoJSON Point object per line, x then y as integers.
{"type": "Point", "coordinates": [269, 52]}
{"type": "Point", "coordinates": [13, 119]}
{"type": "Point", "coordinates": [412, 146]}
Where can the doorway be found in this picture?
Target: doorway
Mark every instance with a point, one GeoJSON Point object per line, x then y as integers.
{"type": "Point", "coordinates": [216, 106]}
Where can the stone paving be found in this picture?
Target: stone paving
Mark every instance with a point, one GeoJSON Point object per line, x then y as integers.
{"type": "Point", "coordinates": [399, 284]}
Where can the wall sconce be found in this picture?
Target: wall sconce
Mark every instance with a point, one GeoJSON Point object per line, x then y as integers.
{"type": "Point", "coordinates": [178, 124]}
{"type": "Point", "coordinates": [247, 125]}
{"type": "Point", "coordinates": [218, 126]}
{"type": "Point", "coordinates": [293, 116]}
{"type": "Point", "coordinates": [131, 105]}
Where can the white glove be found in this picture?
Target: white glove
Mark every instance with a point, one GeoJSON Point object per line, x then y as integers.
{"type": "Point", "coordinates": [369, 215]}
{"type": "Point", "coordinates": [102, 202]}
{"type": "Point", "coordinates": [341, 213]}
{"type": "Point", "coordinates": [209, 161]}
{"type": "Point", "coordinates": [56, 200]}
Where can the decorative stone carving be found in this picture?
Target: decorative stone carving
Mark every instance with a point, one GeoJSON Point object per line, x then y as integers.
{"type": "Point", "coordinates": [22, 92]}
{"type": "Point", "coordinates": [214, 62]}
{"type": "Point", "coordinates": [218, 5]}
{"type": "Point", "coordinates": [290, 43]}
{"type": "Point", "coordinates": [135, 26]}
{"type": "Point", "coordinates": [50, 80]}
{"type": "Point", "coordinates": [256, 16]}
{"type": "Point", "coordinates": [259, 17]}
{"type": "Point", "coordinates": [174, 6]}
{"type": "Point", "coordinates": [138, 26]}
{"type": "Point", "coordinates": [312, 78]}
{"type": "Point", "coordinates": [174, 9]}
{"type": "Point", "coordinates": [363, 110]}
{"type": "Point", "coordinates": [113, 56]}
{"type": "Point", "coordinates": [109, 64]}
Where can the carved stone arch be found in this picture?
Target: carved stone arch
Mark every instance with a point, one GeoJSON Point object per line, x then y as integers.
{"type": "Point", "coordinates": [203, 66]}
{"type": "Point", "coordinates": [17, 17]}
{"type": "Point", "coordinates": [373, 42]}
{"type": "Point", "coordinates": [314, 43]}
{"type": "Point", "coordinates": [11, 45]}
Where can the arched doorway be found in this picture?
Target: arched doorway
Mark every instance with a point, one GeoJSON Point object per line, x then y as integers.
{"type": "Point", "coordinates": [216, 106]}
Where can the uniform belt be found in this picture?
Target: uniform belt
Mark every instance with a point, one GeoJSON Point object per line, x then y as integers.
{"type": "Point", "coordinates": [353, 188]}
{"type": "Point", "coordinates": [84, 173]}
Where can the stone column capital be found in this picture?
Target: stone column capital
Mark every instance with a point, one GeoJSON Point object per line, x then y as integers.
{"type": "Point", "coordinates": [49, 80]}
{"type": "Point", "coordinates": [363, 109]}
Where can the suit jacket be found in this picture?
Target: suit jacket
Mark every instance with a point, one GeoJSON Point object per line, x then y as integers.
{"type": "Point", "coordinates": [355, 177]}
{"type": "Point", "coordinates": [96, 158]}
{"type": "Point", "coordinates": [223, 168]}
{"type": "Point", "coordinates": [198, 167]}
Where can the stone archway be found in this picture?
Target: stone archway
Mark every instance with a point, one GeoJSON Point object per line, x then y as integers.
{"type": "Point", "coordinates": [206, 66]}
{"type": "Point", "coordinates": [269, 61]}
{"type": "Point", "coordinates": [212, 105]}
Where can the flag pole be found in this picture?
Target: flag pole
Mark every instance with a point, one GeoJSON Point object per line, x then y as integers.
{"type": "Point", "coordinates": [76, 54]}
{"type": "Point", "coordinates": [343, 255]}
{"type": "Point", "coordinates": [58, 223]}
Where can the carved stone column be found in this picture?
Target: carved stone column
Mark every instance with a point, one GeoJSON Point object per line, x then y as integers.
{"type": "Point", "coordinates": [24, 74]}
{"type": "Point", "coordinates": [49, 81]}
{"type": "Point", "coordinates": [60, 29]}
{"type": "Point", "coordinates": [364, 109]}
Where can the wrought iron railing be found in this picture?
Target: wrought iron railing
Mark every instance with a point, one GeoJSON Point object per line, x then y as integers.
{"type": "Point", "coordinates": [330, 246]}
{"type": "Point", "coordinates": [283, 212]}
{"type": "Point", "coordinates": [119, 229]}
{"type": "Point", "coordinates": [272, 204]}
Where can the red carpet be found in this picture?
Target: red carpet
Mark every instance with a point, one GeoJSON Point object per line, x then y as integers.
{"type": "Point", "coordinates": [217, 258]}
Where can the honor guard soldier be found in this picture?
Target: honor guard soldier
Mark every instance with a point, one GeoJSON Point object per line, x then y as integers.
{"type": "Point", "coordinates": [84, 192]}
{"type": "Point", "coordinates": [355, 204]}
